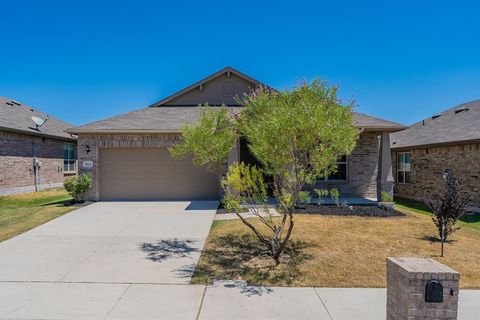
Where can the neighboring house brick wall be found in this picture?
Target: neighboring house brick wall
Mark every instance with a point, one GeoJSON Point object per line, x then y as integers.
{"type": "Point", "coordinates": [17, 152]}
{"type": "Point", "coordinates": [427, 170]}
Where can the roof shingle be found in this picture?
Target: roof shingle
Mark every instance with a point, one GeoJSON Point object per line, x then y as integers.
{"type": "Point", "coordinates": [16, 117]}
{"type": "Point", "coordinates": [171, 119]}
{"type": "Point", "coordinates": [458, 124]}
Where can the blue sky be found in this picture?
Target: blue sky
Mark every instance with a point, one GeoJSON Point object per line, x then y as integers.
{"type": "Point", "coordinates": [86, 60]}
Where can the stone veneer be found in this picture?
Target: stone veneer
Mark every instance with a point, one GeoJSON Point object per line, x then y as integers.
{"type": "Point", "coordinates": [362, 169]}
{"type": "Point", "coordinates": [406, 286]}
{"type": "Point", "coordinates": [362, 163]}
{"type": "Point", "coordinates": [17, 152]}
{"type": "Point", "coordinates": [429, 164]}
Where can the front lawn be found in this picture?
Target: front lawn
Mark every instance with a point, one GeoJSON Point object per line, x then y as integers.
{"type": "Point", "coordinates": [468, 220]}
{"type": "Point", "coordinates": [20, 213]}
{"type": "Point", "coordinates": [334, 251]}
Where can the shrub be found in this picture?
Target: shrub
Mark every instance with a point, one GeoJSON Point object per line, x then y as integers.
{"type": "Point", "coordinates": [333, 193]}
{"type": "Point", "coordinates": [386, 197]}
{"type": "Point", "coordinates": [303, 198]}
{"type": "Point", "coordinates": [78, 186]}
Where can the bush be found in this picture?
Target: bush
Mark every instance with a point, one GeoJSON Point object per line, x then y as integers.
{"type": "Point", "coordinates": [322, 193]}
{"type": "Point", "coordinates": [78, 186]}
{"type": "Point", "coordinates": [386, 197]}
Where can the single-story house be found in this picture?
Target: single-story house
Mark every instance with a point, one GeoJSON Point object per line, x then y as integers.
{"type": "Point", "coordinates": [35, 151]}
{"type": "Point", "coordinates": [128, 157]}
{"type": "Point", "coordinates": [444, 145]}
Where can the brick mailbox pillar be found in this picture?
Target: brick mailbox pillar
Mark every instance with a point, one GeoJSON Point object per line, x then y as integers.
{"type": "Point", "coordinates": [421, 289]}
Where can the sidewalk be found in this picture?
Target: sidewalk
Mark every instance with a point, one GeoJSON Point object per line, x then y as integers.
{"type": "Point", "coordinates": [34, 300]}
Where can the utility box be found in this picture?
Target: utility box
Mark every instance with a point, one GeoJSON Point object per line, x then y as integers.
{"type": "Point", "coordinates": [420, 288]}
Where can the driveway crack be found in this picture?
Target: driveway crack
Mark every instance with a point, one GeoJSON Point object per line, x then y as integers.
{"type": "Point", "coordinates": [118, 300]}
{"type": "Point", "coordinates": [323, 303]}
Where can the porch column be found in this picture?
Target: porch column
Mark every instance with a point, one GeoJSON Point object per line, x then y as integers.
{"type": "Point", "coordinates": [385, 180]}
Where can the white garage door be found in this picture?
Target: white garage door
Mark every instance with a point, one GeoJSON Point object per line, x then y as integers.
{"type": "Point", "coordinates": [151, 174]}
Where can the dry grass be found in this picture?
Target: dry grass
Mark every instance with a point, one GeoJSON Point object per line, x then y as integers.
{"type": "Point", "coordinates": [331, 251]}
{"type": "Point", "coordinates": [20, 213]}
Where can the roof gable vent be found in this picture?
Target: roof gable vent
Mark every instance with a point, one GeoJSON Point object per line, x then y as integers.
{"type": "Point", "coordinates": [461, 110]}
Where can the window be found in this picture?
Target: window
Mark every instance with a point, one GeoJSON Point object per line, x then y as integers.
{"type": "Point", "coordinates": [68, 157]}
{"type": "Point", "coordinates": [341, 173]}
{"type": "Point", "coordinates": [403, 167]}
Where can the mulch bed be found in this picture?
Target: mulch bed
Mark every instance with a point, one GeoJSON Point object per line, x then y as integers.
{"type": "Point", "coordinates": [362, 211]}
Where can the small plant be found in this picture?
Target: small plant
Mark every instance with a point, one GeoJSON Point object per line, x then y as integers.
{"type": "Point", "coordinates": [447, 207]}
{"type": "Point", "coordinates": [321, 193]}
{"type": "Point", "coordinates": [78, 186]}
{"type": "Point", "coordinates": [303, 198]}
{"type": "Point", "coordinates": [386, 197]}
{"type": "Point", "coordinates": [335, 194]}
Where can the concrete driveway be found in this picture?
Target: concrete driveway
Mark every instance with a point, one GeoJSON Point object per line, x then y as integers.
{"type": "Point", "coordinates": [94, 254]}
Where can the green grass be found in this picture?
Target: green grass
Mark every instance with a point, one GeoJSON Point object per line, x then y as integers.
{"type": "Point", "coordinates": [469, 220]}
{"type": "Point", "coordinates": [20, 213]}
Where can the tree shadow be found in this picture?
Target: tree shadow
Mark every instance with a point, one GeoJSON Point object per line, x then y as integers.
{"type": "Point", "coordinates": [243, 257]}
{"type": "Point", "coordinates": [162, 250]}
{"type": "Point", "coordinates": [470, 218]}
{"type": "Point", "coordinates": [435, 239]}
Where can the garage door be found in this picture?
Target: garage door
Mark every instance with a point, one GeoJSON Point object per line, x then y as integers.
{"type": "Point", "coordinates": [151, 174]}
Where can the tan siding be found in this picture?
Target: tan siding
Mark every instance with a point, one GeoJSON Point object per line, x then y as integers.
{"type": "Point", "coordinates": [213, 92]}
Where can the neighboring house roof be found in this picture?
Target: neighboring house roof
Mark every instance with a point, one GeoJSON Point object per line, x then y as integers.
{"type": "Point", "coordinates": [16, 117]}
{"type": "Point", "coordinates": [162, 117]}
{"type": "Point", "coordinates": [459, 124]}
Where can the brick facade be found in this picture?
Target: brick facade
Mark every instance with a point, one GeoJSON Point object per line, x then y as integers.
{"type": "Point", "coordinates": [362, 170]}
{"type": "Point", "coordinates": [17, 152]}
{"type": "Point", "coordinates": [406, 285]}
{"type": "Point", "coordinates": [362, 163]}
{"type": "Point", "coordinates": [429, 164]}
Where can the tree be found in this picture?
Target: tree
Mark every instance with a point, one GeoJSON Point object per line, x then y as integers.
{"type": "Point", "coordinates": [209, 141]}
{"type": "Point", "coordinates": [296, 135]}
{"type": "Point", "coordinates": [447, 207]}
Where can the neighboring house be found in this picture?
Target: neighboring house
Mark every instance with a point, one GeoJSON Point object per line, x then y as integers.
{"type": "Point", "coordinates": [128, 157]}
{"type": "Point", "coordinates": [446, 144]}
{"type": "Point", "coordinates": [33, 157]}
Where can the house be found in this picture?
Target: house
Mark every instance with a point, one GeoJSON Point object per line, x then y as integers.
{"type": "Point", "coordinates": [444, 145]}
{"type": "Point", "coordinates": [128, 157]}
{"type": "Point", "coordinates": [33, 155]}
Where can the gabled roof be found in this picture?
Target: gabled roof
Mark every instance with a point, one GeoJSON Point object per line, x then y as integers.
{"type": "Point", "coordinates": [197, 84]}
{"type": "Point", "coordinates": [460, 124]}
{"type": "Point", "coordinates": [16, 117]}
{"type": "Point", "coordinates": [172, 118]}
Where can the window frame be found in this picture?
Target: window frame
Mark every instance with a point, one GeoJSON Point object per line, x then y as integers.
{"type": "Point", "coordinates": [69, 164]}
{"type": "Point", "coordinates": [402, 172]}
{"type": "Point", "coordinates": [346, 171]}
